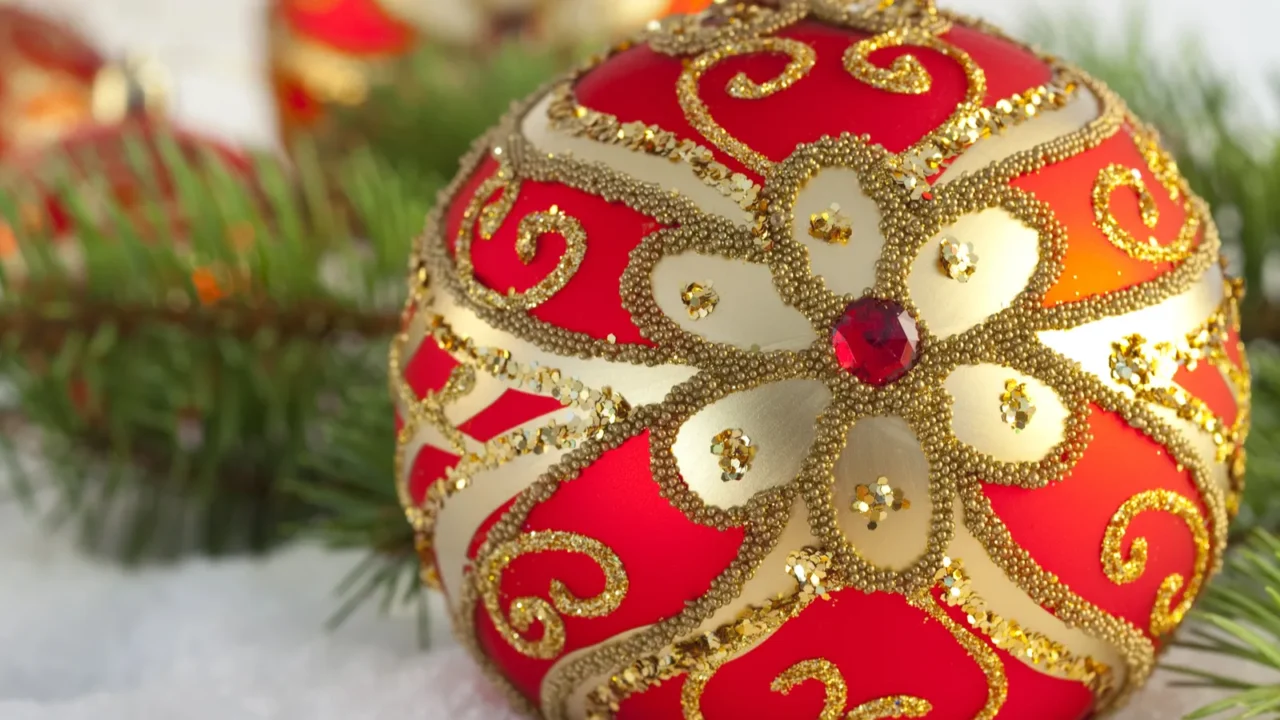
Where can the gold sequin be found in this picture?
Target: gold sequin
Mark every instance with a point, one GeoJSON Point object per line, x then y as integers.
{"type": "Point", "coordinates": [1029, 647]}
{"type": "Point", "coordinates": [736, 451]}
{"type": "Point", "coordinates": [700, 299]}
{"type": "Point", "coordinates": [958, 259]}
{"type": "Point", "coordinates": [1015, 405]}
{"type": "Point", "coordinates": [525, 611]}
{"type": "Point", "coordinates": [1166, 615]}
{"type": "Point", "coordinates": [875, 501]}
{"type": "Point", "coordinates": [831, 225]}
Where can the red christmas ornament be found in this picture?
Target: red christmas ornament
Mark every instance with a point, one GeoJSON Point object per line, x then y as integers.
{"type": "Point", "coordinates": [827, 359]}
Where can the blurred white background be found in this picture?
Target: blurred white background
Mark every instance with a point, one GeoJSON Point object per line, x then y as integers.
{"type": "Point", "coordinates": [216, 48]}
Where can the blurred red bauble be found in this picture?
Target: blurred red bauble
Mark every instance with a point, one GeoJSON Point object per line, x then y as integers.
{"type": "Point", "coordinates": [841, 360]}
{"type": "Point", "coordinates": [330, 52]}
{"type": "Point", "coordinates": [53, 83]}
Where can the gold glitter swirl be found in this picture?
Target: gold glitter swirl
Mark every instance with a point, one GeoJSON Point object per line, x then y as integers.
{"type": "Point", "coordinates": [490, 217]}
{"type": "Point", "coordinates": [825, 671]}
{"type": "Point", "coordinates": [802, 60]}
{"type": "Point", "coordinates": [527, 610]}
{"type": "Point", "coordinates": [1166, 615]}
{"type": "Point", "coordinates": [906, 76]}
{"type": "Point", "coordinates": [1165, 170]}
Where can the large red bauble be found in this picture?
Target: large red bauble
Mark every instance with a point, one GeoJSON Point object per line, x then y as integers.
{"type": "Point", "coordinates": [820, 360]}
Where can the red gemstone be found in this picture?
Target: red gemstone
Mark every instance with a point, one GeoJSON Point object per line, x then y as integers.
{"type": "Point", "coordinates": [876, 340]}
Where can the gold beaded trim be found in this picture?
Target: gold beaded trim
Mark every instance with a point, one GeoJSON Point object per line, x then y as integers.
{"type": "Point", "coordinates": [701, 657]}
{"type": "Point", "coordinates": [1149, 373]}
{"type": "Point", "coordinates": [566, 115]}
{"type": "Point", "coordinates": [723, 23]}
{"type": "Point", "coordinates": [1029, 647]}
{"type": "Point", "coordinates": [1166, 615]}
{"type": "Point", "coordinates": [527, 610]}
{"type": "Point", "coordinates": [597, 409]}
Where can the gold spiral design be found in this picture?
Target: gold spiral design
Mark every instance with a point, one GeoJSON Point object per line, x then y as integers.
{"type": "Point", "coordinates": [906, 76]}
{"type": "Point", "coordinates": [1165, 615]}
{"type": "Point", "coordinates": [527, 610]}
{"type": "Point", "coordinates": [490, 216]}
{"type": "Point", "coordinates": [824, 671]}
{"type": "Point", "coordinates": [802, 60]}
{"type": "Point", "coordinates": [1165, 170]}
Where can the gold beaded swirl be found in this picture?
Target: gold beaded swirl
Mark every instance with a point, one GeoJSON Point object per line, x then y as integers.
{"type": "Point", "coordinates": [1166, 615]}
{"type": "Point", "coordinates": [526, 611]}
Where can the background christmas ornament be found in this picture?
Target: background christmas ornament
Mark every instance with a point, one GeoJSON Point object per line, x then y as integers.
{"type": "Point", "coordinates": [821, 360]}
{"type": "Point", "coordinates": [53, 83]}
{"type": "Point", "coordinates": [331, 52]}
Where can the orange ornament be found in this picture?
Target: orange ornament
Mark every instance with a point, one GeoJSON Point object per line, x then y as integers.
{"type": "Point", "coordinates": [821, 359]}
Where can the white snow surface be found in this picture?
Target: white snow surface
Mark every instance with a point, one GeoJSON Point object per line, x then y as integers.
{"type": "Point", "coordinates": [82, 639]}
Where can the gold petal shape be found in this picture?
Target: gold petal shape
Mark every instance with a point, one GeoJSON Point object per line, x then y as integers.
{"type": "Point", "coordinates": [1008, 252]}
{"type": "Point", "coordinates": [979, 421]}
{"type": "Point", "coordinates": [748, 312]}
{"type": "Point", "coordinates": [847, 268]}
{"type": "Point", "coordinates": [779, 420]}
{"type": "Point", "coordinates": [875, 448]}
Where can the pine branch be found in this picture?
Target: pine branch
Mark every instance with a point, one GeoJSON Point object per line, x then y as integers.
{"type": "Point", "coordinates": [169, 419]}
{"type": "Point", "coordinates": [1239, 617]}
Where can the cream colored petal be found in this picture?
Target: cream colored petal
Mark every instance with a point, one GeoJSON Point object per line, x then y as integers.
{"type": "Point", "coordinates": [977, 419]}
{"type": "Point", "coordinates": [1079, 112]}
{"type": "Point", "coordinates": [884, 447]}
{"type": "Point", "coordinates": [778, 418]}
{"type": "Point", "coordinates": [1005, 598]}
{"type": "Point", "coordinates": [677, 177]}
{"type": "Point", "coordinates": [847, 269]}
{"type": "Point", "coordinates": [639, 384]}
{"type": "Point", "coordinates": [464, 513]}
{"type": "Point", "coordinates": [1008, 252]}
{"type": "Point", "coordinates": [1169, 321]}
{"type": "Point", "coordinates": [748, 313]}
